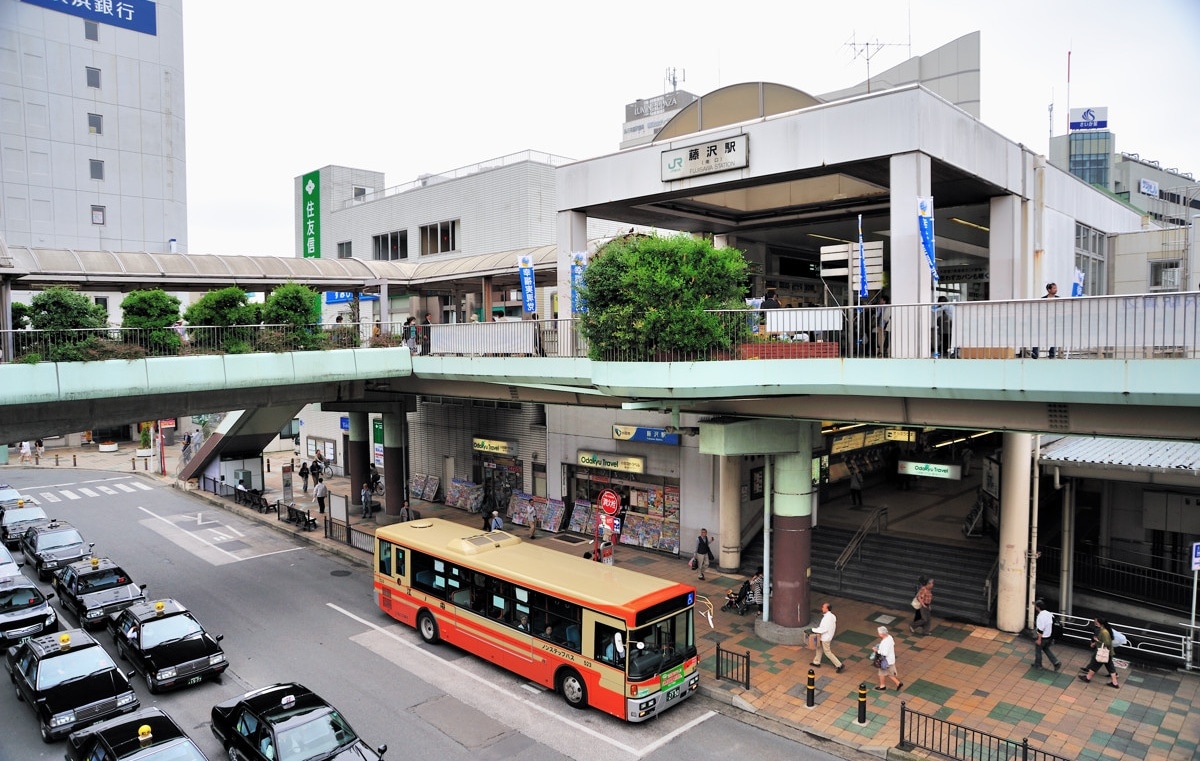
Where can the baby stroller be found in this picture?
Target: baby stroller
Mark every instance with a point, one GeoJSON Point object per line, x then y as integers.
{"type": "Point", "coordinates": [739, 601]}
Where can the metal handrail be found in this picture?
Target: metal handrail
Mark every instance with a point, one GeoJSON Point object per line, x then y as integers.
{"type": "Point", "coordinates": [1169, 645]}
{"type": "Point", "coordinates": [1121, 578]}
{"type": "Point", "coordinates": [878, 517]}
{"type": "Point", "coordinates": [963, 743]}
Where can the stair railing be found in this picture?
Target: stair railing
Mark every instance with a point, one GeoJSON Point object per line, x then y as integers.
{"type": "Point", "coordinates": [878, 519]}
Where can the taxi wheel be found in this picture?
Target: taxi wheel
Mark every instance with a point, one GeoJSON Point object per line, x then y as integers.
{"type": "Point", "coordinates": [427, 627]}
{"type": "Point", "coordinates": [152, 684]}
{"type": "Point", "coordinates": [46, 736]}
{"type": "Point", "coordinates": [573, 689]}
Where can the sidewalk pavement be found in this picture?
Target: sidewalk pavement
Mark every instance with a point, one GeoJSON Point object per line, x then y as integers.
{"type": "Point", "coordinates": [971, 675]}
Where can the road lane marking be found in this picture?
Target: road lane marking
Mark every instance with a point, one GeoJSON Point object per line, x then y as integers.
{"type": "Point", "coordinates": [209, 544]}
{"type": "Point", "coordinates": [143, 486]}
{"type": "Point", "coordinates": [107, 490]}
{"type": "Point", "coordinates": [49, 496]}
{"type": "Point", "coordinates": [125, 488]}
{"type": "Point", "coordinates": [70, 494]}
{"type": "Point", "coordinates": [87, 492]}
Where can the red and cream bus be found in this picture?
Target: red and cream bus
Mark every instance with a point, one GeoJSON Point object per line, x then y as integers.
{"type": "Point", "coordinates": [611, 638]}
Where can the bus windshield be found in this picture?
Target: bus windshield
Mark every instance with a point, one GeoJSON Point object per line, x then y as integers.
{"type": "Point", "coordinates": [661, 645]}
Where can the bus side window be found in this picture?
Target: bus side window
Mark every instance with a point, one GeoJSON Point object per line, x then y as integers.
{"type": "Point", "coordinates": [399, 561]}
{"type": "Point", "coordinates": [385, 558]}
{"type": "Point", "coordinates": [610, 646]}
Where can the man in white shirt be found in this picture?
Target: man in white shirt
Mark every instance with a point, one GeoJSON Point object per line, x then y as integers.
{"type": "Point", "coordinates": [824, 633]}
{"type": "Point", "coordinates": [1044, 623]}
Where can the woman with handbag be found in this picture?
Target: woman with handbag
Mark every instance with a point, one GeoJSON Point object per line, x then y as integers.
{"type": "Point", "coordinates": [1103, 645]}
{"type": "Point", "coordinates": [884, 660]}
{"type": "Point", "coordinates": [922, 603]}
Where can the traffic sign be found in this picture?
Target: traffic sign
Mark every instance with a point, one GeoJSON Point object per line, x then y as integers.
{"type": "Point", "coordinates": [1196, 556]}
{"type": "Point", "coordinates": [610, 502]}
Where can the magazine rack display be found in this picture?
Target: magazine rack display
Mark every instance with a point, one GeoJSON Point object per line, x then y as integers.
{"type": "Point", "coordinates": [652, 520]}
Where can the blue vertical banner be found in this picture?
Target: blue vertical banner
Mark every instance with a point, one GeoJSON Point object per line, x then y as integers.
{"type": "Point", "coordinates": [578, 264]}
{"type": "Point", "coordinates": [528, 292]}
{"type": "Point", "coordinates": [862, 263]}
{"type": "Point", "coordinates": [925, 225]}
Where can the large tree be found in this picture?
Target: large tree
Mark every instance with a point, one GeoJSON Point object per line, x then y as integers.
{"type": "Point", "coordinates": [647, 295]}
{"type": "Point", "coordinates": [296, 309]}
{"type": "Point", "coordinates": [63, 309]}
{"type": "Point", "coordinates": [218, 320]}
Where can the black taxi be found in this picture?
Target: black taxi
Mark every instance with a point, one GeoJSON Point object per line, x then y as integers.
{"type": "Point", "coordinates": [53, 545]}
{"type": "Point", "coordinates": [167, 645]}
{"type": "Point", "coordinates": [24, 610]}
{"type": "Point", "coordinates": [15, 521]}
{"type": "Point", "coordinates": [287, 721]}
{"type": "Point", "coordinates": [69, 681]}
{"type": "Point", "coordinates": [95, 588]}
{"type": "Point", "coordinates": [145, 735]}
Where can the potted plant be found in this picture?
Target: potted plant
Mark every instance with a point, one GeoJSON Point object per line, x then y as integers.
{"type": "Point", "coordinates": [108, 446]}
{"type": "Point", "coordinates": [146, 443]}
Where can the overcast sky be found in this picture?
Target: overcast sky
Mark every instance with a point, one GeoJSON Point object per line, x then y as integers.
{"type": "Point", "coordinates": [275, 90]}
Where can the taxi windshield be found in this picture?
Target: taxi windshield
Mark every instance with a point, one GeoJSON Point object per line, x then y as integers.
{"type": "Point", "coordinates": [21, 514]}
{"type": "Point", "coordinates": [19, 598]}
{"type": "Point", "coordinates": [159, 630]}
{"type": "Point", "coordinates": [75, 664]}
{"type": "Point", "coordinates": [325, 733]}
{"type": "Point", "coordinates": [55, 539]}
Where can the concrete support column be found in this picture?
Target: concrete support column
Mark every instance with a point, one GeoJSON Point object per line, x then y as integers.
{"type": "Point", "coordinates": [358, 453]}
{"type": "Point", "coordinates": [1009, 271]}
{"type": "Point", "coordinates": [729, 476]}
{"type": "Point", "coordinates": [572, 237]}
{"type": "Point", "coordinates": [1016, 462]}
{"type": "Point", "coordinates": [909, 276]}
{"type": "Point", "coordinates": [791, 536]}
{"type": "Point", "coordinates": [395, 459]}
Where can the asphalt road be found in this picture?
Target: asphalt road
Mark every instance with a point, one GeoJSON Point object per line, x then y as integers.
{"type": "Point", "coordinates": [292, 613]}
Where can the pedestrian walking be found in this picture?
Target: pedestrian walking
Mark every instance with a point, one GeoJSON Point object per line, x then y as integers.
{"type": "Point", "coordinates": [405, 512]}
{"type": "Point", "coordinates": [856, 485]}
{"type": "Point", "coordinates": [756, 588]}
{"type": "Point", "coordinates": [187, 441]}
{"type": "Point", "coordinates": [1044, 623]}
{"type": "Point", "coordinates": [496, 523]}
{"type": "Point", "coordinates": [40, 448]}
{"type": "Point", "coordinates": [703, 554]}
{"type": "Point", "coordinates": [304, 475]}
{"type": "Point", "coordinates": [822, 635]}
{"type": "Point", "coordinates": [320, 491]}
{"type": "Point", "coordinates": [25, 453]}
{"type": "Point", "coordinates": [365, 495]}
{"type": "Point", "coordinates": [426, 335]}
{"type": "Point", "coordinates": [922, 603]}
{"type": "Point", "coordinates": [885, 660]}
{"type": "Point", "coordinates": [1103, 654]}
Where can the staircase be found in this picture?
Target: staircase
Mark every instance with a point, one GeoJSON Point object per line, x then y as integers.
{"type": "Point", "coordinates": [886, 568]}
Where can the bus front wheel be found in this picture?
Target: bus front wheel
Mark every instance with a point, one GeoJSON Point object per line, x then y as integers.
{"type": "Point", "coordinates": [573, 689]}
{"type": "Point", "coordinates": [427, 627]}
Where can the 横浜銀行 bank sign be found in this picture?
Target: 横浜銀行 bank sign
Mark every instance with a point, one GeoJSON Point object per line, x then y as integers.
{"type": "Point", "coordinates": [134, 15]}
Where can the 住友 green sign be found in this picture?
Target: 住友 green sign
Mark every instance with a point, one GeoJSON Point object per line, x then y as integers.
{"type": "Point", "coordinates": [310, 215]}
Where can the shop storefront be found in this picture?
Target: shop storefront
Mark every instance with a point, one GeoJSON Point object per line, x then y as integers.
{"type": "Point", "coordinates": [649, 503]}
{"type": "Point", "coordinates": [496, 469]}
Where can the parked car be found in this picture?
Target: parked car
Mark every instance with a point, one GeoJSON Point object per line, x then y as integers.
{"type": "Point", "coordinates": [10, 497]}
{"type": "Point", "coordinates": [94, 589]}
{"type": "Point", "coordinates": [167, 645]}
{"type": "Point", "coordinates": [145, 735]}
{"type": "Point", "coordinates": [15, 521]}
{"type": "Point", "coordinates": [287, 721]}
{"type": "Point", "coordinates": [24, 610]}
{"type": "Point", "coordinates": [9, 566]}
{"type": "Point", "coordinates": [53, 545]}
{"type": "Point", "coordinates": [69, 681]}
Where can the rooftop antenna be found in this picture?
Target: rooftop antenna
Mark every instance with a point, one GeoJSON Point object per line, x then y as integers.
{"type": "Point", "coordinates": [867, 51]}
{"type": "Point", "coordinates": [674, 77]}
{"type": "Point", "coordinates": [1051, 109]}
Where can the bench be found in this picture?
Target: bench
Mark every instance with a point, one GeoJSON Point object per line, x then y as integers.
{"type": "Point", "coordinates": [260, 503]}
{"type": "Point", "coordinates": [301, 517]}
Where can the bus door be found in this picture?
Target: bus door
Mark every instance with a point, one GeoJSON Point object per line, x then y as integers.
{"type": "Point", "coordinates": [604, 644]}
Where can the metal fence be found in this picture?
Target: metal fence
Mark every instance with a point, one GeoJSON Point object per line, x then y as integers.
{"type": "Point", "coordinates": [1149, 326]}
{"type": "Point", "coordinates": [734, 667]}
{"type": "Point", "coordinates": [1121, 578]}
{"type": "Point", "coordinates": [341, 531]}
{"type": "Point", "coordinates": [1173, 646]}
{"type": "Point", "coordinates": [920, 730]}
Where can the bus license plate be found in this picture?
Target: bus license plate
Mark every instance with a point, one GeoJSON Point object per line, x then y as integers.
{"type": "Point", "coordinates": [674, 693]}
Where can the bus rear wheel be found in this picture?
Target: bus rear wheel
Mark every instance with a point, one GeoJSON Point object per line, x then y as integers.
{"type": "Point", "coordinates": [573, 689]}
{"type": "Point", "coordinates": [427, 627]}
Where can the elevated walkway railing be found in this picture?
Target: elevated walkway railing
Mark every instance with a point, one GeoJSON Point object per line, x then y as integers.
{"type": "Point", "coordinates": [1178, 647]}
{"type": "Point", "coordinates": [1145, 326]}
{"type": "Point", "coordinates": [1120, 578]}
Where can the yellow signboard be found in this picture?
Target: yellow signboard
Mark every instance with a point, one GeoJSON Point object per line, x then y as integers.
{"type": "Point", "coordinates": [847, 443]}
{"type": "Point", "coordinates": [872, 438]}
{"type": "Point", "coordinates": [494, 446]}
{"type": "Point", "coordinates": [899, 434]}
{"type": "Point", "coordinates": [623, 463]}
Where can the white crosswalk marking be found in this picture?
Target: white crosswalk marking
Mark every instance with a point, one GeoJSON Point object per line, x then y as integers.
{"type": "Point", "coordinates": [107, 490]}
{"type": "Point", "coordinates": [87, 492]}
{"type": "Point", "coordinates": [69, 494]}
{"type": "Point", "coordinates": [125, 488]}
{"type": "Point", "coordinates": [49, 496]}
{"type": "Point", "coordinates": [142, 486]}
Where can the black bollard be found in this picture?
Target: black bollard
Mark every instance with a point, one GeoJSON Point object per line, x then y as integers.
{"type": "Point", "coordinates": [145, 463]}
{"type": "Point", "coordinates": [74, 461]}
{"type": "Point", "coordinates": [810, 697]}
{"type": "Point", "coordinates": [133, 463]}
{"type": "Point", "coordinates": [268, 466]}
{"type": "Point", "coordinates": [56, 461]}
{"type": "Point", "coordinates": [862, 703]}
